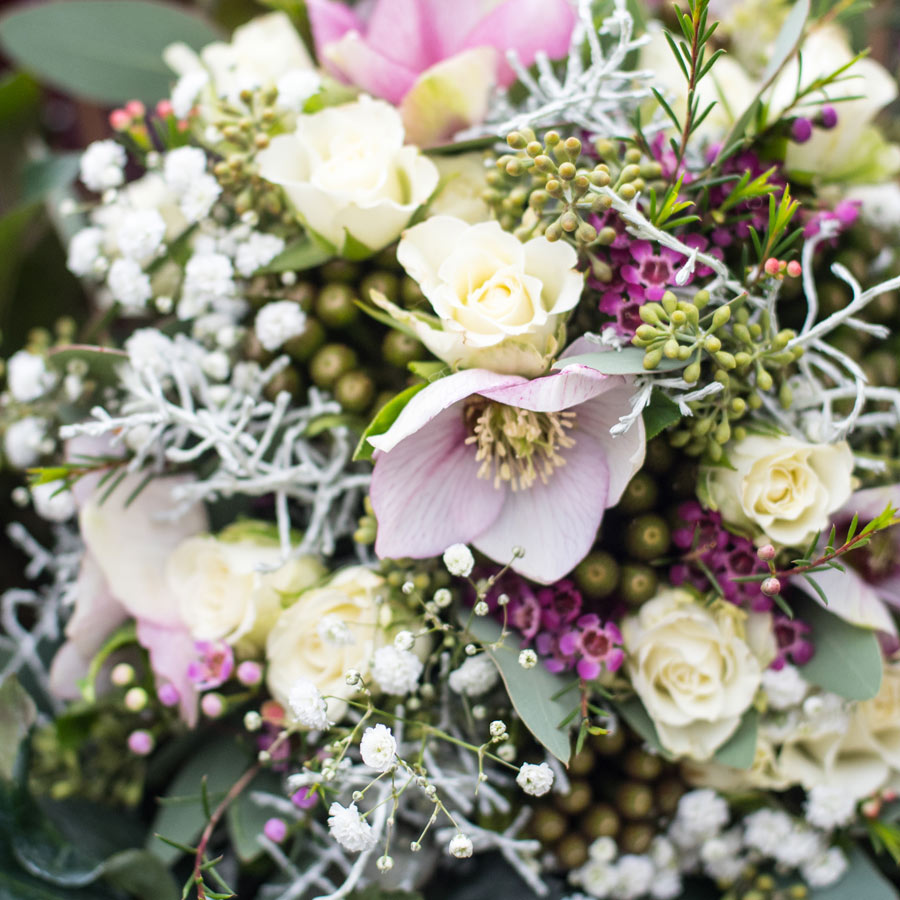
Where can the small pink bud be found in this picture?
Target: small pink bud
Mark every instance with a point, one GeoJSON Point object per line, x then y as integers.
{"type": "Point", "coordinates": [828, 116]}
{"type": "Point", "coordinates": [888, 795]}
{"type": "Point", "coordinates": [766, 552]}
{"type": "Point", "coordinates": [249, 673]}
{"type": "Point", "coordinates": [801, 130]}
{"type": "Point", "coordinates": [135, 109]}
{"type": "Point", "coordinates": [140, 742]}
{"type": "Point", "coordinates": [183, 125]}
{"type": "Point", "coordinates": [772, 266]}
{"type": "Point", "coordinates": [304, 798]}
{"type": "Point", "coordinates": [213, 705]}
{"type": "Point", "coordinates": [871, 808]}
{"type": "Point", "coordinates": [770, 587]}
{"type": "Point", "coordinates": [168, 694]}
{"type": "Point", "coordinates": [164, 109]}
{"type": "Point", "coordinates": [119, 120]}
{"type": "Point", "coordinates": [275, 830]}
{"type": "Point", "coordinates": [794, 268]}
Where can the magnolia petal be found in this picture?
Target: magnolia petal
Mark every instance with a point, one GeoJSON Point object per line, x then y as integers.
{"type": "Point", "coordinates": [552, 393]}
{"type": "Point", "coordinates": [171, 651]}
{"type": "Point", "coordinates": [426, 492]}
{"type": "Point", "coordinates": [438, 396]}
{"type": "Point", "coordinates": [530, 26]}
{"type": "Point", "coordinates": [850, 598]}
{"type": "Point", "coordinates": [555, 523]}
{"type": "Point", "coordinates": [449, 96]}
{"type": "Point", "coordinates": [356, 61]}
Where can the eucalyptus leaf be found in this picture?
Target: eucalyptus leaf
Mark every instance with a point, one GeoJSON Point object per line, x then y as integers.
{"type": "Point", "coordinates": [739, 750]}
{"type": "Point", "coordinates": [306, 253]}
{"type": "Point", "coordinates": [627, 361]}
{"type": "Point", "coordinates": [108, 51]}
{"type": "Point", "coordinates": [637, 717]}
{"type": "Point", "coordinates": [847, 660]}
{"type": "Point", "coordinates": [17, 714]}
{"type": "Point", "coordinates": [246, 817]}
{"type": "Point", "coordinates": [384, 418]}
{"type": "Point", "coordinates": [535, 693]}
{"type": "Point", "coordinates": [659, 414]}
{"type": "Point", "coordinates": [862, 881]}
{"type": "Point", "coordinates": [102, 362]}
{"type": "Point", "coordinates": [42, 176]}
{"type": "Point", "coordinates": [141, 874]}
{"type": "Point", "coordinates": [181, 818]}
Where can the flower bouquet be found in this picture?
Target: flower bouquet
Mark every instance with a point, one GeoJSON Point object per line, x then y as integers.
{"type": "Point", "coordinates": [468, 465]}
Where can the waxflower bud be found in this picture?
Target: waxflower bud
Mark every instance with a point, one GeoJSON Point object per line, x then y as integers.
{"type": "Point", "coordinates": [766, 552]}
{"type": "Point", "coordinates": [770, 587]}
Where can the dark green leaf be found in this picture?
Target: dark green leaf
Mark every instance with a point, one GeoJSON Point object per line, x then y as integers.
{"type": "Point", "coordinates": [108, 51]}
{"type": "Point", "coordinates": [383, 420]}
{"type": "Point", "coordinates": [17, 715]}
{"type": "Point", "coordinates": [530, 690]}
{"type": "Point", "coordinates": [659, 414]}
{"type": "Point", "coordinates": [141, 874]}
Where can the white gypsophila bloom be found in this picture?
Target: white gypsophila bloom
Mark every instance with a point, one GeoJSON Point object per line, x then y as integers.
{"type": "Point", "coordinates": [349, 829]}
{"type": "Point", "coordinates": [140, 233]}
{"type": "Point", "coordinates": [84, 252]}
{"type": "Point", "coordinates": [604, 849]}
{"type": "Point", "coordinates": [404, 640]}
{"type": "Point", "coordinates": [528, 659]}
{"type": "Point", "coordinates": [102, 165]}
{"type": "Point", "coordinates": [784, 687]}
{"type": "Point", "coordinates": [296, 87]}
{"type": "Point", "coordinates": [830, 806]}
{"type": "Point", "coordinates": [879, 204]}
{"type": "Point", "coordinates": [53, 501]}
{"type": "Point", "coordinates": [27, 376]}
{"type": "Point", "coordinates": [183, 166]}
{"type": "Point", "coordinates": [198, 198]}
{"type": "Point", "coordinates": [599, 877]}
{"type": "Point", "coordinates": [667, 885]}
{"type": "Point", "coordinates": [765, 829]}
{"type": "Point", "coordinates": [663, 853]}
{"type": "Point", "coordinates": [22, 441]}
{"type": "Point", "coordinates": [721, 856]}
{"type": "Point", "coordinates": [208, 277]}
{"type": "Point", "coordinates": [256, 251]}
{"type": "Point", "coordinates": [216, 365]}
{"type": "Point", "coordinates": [535, 780]}
{"type": "Point", "coordinates": [826, 869]}
{"type": "Point", "coordinates": [150, 349]}
{"type": "Point", "coordinates": [186, 91]}
{"type": "Point", "coordinates": [396, 671]}
{"type": "Point", "coordinates": [701, 814]}
{"type": "Point", "coordinates": [378, 748]}
{"type": "Point", "coordinates": [634, 877]}
{"type": "Point", "coordinates": [308, 705]}
{"type": "Point", "coordinates": [129, 284]}
{"type": "Point", "coordinates": [333, 630]}
{"type": "Point", "coordinates": [476, 676]}
{"type": "Point", "coordinates": [459, 560]}
{"type": "Point", "coordinates": [276, 323]}
{"type": "Point", "coordinates": [800, 846]}
{"type": "Point", "coordinates": [460, 846]}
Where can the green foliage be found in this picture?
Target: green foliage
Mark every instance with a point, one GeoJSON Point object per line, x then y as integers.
{"type": "Point", "coordinates": [306, 253]}
{"type": "Point", "coordinates": [662, 217]}
{"type": "Point", "coordinates": [862, 880]}
{"type": "Point", "coordinates": [383, 420]}
{"type": "Point", "coordinates": [107, 51]}
{"type": "Point", "coordinates": [536, 694]}
{"type": "Point", "coordinates": [659, 414]}
{"type": "Point", "coordinates": [17, 714]}
{"type": "Point", "coordinates": [245, 817]}
{"type": "Point", "coordinates": [627, 361]}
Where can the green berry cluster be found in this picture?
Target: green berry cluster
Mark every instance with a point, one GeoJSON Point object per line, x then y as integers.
{"type": "Point", "coordinates": [754, 885]}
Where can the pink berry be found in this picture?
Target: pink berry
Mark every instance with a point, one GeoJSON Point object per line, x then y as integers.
{"type": "Point", "coordinates": [119, 120]}
{"type": "Point", "coordinates": [168, 694]}
{"type": "Point", "coordinates": [164, 109]}
{"type": "Point", "coordinates": [794, 268]}
{"type": "Point", "coordinates": [770, 587]}
{"type": "Point", "coordinates": [249, 673]}
{"type": "Point", "coordinates": [275, 830]}
{"type": "Point", "coordinates": [140, 742]}
{"type": "Point", "coordinates": [135, 109]}
{"type": "Point", "coordinates": [772, 266]}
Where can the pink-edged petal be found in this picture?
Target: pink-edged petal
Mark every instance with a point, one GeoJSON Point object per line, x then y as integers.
{"type": "Point", "coordinates": [97, 612]}
{"type": "Point", "coordinates": [402, 30]}
{"type": "Point", "coordinates": [528, 26]}
{"type": "Point", "coordinates": [555, 523]}
{"type": "Point", "coordinates": [889, 590]}
{"type": "Point", "coordinates": [426, 492]}
{"type": "Point", "coordinates": [871, 502]}
{"type": "Point", "coordinates": [572, 386]}
{"type": "Point", "coordinates": [330, 21]}
{"type": "Point", "coordinates": [624, 453]}
{"type": "Point", "coordinates": [171, 651]}
{"type": "Point", "coordinates": [352, 59]}
{"type": "Point", "coordinates": [850, 598]}
{"type": "Point", "coordinates": [437, 397]}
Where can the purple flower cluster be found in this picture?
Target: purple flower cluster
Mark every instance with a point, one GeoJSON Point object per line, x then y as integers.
{"type": "Point", "coordinates": [711, 550]}
{"type": "Point", "coordinates": [553, 620]}
{"type": "Point", "coordinates": [791, 636]}
{"type": "Point", "coordinates": [214, 665]}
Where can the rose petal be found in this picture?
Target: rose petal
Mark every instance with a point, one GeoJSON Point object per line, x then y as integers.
{"type": "Point", "coordinates": [426, 492]}
{"type": "Point", "coordinates": [555, 523]}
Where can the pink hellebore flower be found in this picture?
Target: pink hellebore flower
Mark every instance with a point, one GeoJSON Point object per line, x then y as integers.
{"type": "Point", "coordinates": [437, 59]}
{"type": "Point", "coordinates": [501, 462]}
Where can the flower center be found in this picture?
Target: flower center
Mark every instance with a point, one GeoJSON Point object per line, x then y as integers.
{"type": "Point", "coordinates": [517, 446]}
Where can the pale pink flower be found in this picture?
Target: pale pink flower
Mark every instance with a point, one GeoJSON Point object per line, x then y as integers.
{"type": "Point", "coordinates": [437, 59]}
{"type": "Point", "coordinates": [501, 462]}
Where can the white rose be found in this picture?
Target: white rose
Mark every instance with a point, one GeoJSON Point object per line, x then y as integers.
{"type": "Point", "coordinates": [693, 668]}
{"type": "Point", "coordinates": [860, 756]}
{"type": "Point", "coordinates": [500, 304]}
{"type": "Point", "coordinates": [462, 187]}
{"type": "Point", "coordinates": [784, 487]}
{"type": "Point", "coordinates": [296, 650]}
{"type": "Point", "coordinates": [231, 590]}
{"type": "Point", "coordinates": [854, 149]}
{"type": "Point", "coordinates": [348, 174]}
{"type": "Point", "coordinates": [260, 53]}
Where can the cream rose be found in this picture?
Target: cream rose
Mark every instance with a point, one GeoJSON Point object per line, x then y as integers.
{"type": "Point", "coordinates": [500, 304]}
{"type": "Point", "coordinates": [328, 631]}
{"type": "Point", "coordinates": [348, 174]}
{"type": "Point", "coordinates": [231, 587]}
{"type": "Point", "coordinates": [693, 667]}
{"type": "Point", "coordinates": [860, 753]}
{"type": "Point", "coordinates": [462, 187]}
{"type": "Point", "coordinates": [784, 487]}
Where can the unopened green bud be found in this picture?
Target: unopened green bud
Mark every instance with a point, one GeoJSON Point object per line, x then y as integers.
{"type": "Point", "coordinates": [679, 438]}
{"type": "Point", "coordinates": [754, 401]}
{"type": "Point", "coordinates": [640, 494]}
{"type": "Point", "coordinates": [569, 221]}
{"type": "Point", "coordinates": [724, 359]}
{"type": "Point", "coordinates": [543, 163]}
{"type": "Point", "coordinates": [712, 344]}
{"type": "Point", "coordinates": [601, 820]}
{"type": "Point", "coordinates": [738, 406]}
{"type": "Point", "coordinates": [742, 358]}
{"type": "Point", "coordinates": [567, 171]}
{"type": "Point", "coordinates": [638, 583]}
{"type": "Point", "coordinates": [739, 433]}
{"type": "Point", "coordinates": [586, 233]}
{"type": "Point", "coordinates": [516, 140]}
{"type": "Point", "coordinates": [714, 451]}
{"type": "Point", "coordinates": [670, 348]}
{"type": "Point", "coordinates": [629, 173]}
{"type": "Point", "coordinates": [722, 434]}
{"type": "Point", "coordinates": [783, 338]}
{"type": "Point", "coordinates": [684, 352]}
{"type": "Point", "coordinates": [649, 313]}
{"type": "Point", "coordinates": [669, 302]}
{"type": "Point", "coordinates": [554, 232]}
{"type": "Point", "coordinates": [329, 363]}
{"type": "Point", "coordinates": [678, 317]}
{"type": "Point", "coordinates": [634, 800]}
{"type": "Point", "coordinates": [607, 235]}
{"type": "Point", "coordinates": [336, 306]}
{"type": "Point", "coordinates": [597, 574]}
{"type": "Point", "coordinates": [741, 332]}
{"type": "Point", "coordinates": [692, 373]}
{"type": "Point", "coordinates": [652, 359]}
{"type": "Point", "coordinates": [722, 377]}
{"type": "Point", "coordinates": [785, 395]}
{"type": "Point", "coordinates": [701, 298]}
{"type": "Point", "coordinates": [763, 379]}
{"type": "Point", "coordinates": [756, 331]}
{"type": "Point", "coordinates": [720, 317]}
{"type": "Point", "coordinates": [307, 342]}
{"type": "Point", "coordinates": [534, 149]}
{"type": "Point", "coordinates": [627, 192]}
{"type": "Point", "coordinates": [647, 537]}
{"type": "Point", "coordinates": [702, 427]}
